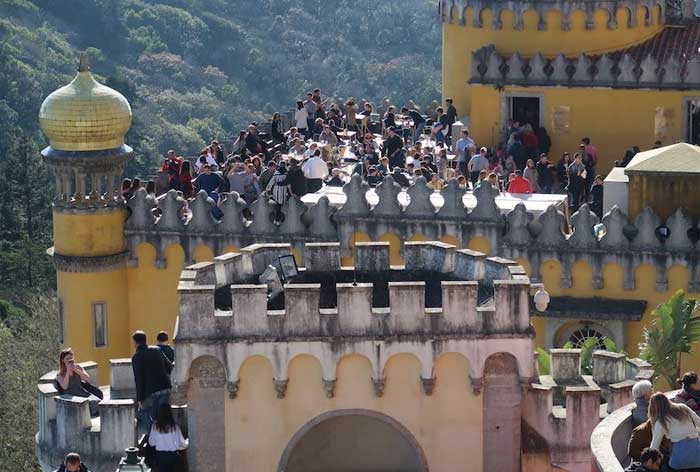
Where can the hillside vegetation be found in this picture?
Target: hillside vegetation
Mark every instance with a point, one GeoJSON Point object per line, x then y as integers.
{"type": "Point", "coordinates": [198, 69]}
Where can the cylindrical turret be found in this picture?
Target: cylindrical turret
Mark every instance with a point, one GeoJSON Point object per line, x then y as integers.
{"type": "Point", "coordinates": [85, 123]}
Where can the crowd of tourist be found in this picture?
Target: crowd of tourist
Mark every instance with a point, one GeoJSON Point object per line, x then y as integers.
{"type": "Point", "coordinates": [328, 141]}
{"type": "Point", "coordinates": [162, 442]}
{"type": "Point", "coordinates": [666, 436]}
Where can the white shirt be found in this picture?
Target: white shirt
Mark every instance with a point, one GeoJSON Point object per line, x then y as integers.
{"type": "Point", "coordinates": [315, 168]}
{"type": "Point", "coordinates": [300, 117]}
{"type": "Point", "coordinates": [210, 160]}
{"type": "Point", "coordinates": [172, 441]}
{"type": "Point", "coordinates": [677, 430]}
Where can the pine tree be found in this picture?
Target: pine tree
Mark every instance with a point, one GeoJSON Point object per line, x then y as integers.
{"type": "Point", "coordinates": [25, 217]}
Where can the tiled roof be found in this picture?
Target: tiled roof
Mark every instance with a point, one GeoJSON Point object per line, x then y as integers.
{"type": "Point", "coordinates": [679, 41]}
{"type": "Point", "coordinates": [680, 158]}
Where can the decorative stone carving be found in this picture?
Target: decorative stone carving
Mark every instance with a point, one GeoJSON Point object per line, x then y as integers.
{"type": "Point", "coordinates": [486, 208]}
{"type": "Point", "coordinates": [428, 385]}
{"type": "Point", "coordinates": [356, 202]}
{"type": "Point", "coordinates": [628, 73]}
{"type": "Point", "coordinates": [646, 223]}
{"type": "Point", "coordinates": [202, 219]}
{"type": "Point", "coordinates": [293, 211]}
{"type": "Point", "coordinates": [281, 387]}
{"type": "Point", "coordinates": [582, 74]}
{"type": "Point", "coordinates": [233, 206]}
{"type": "Point", "coordinates": [379, 385]}
{"type": "Point", "coordinates": [583, 221]}
{"type": "Point", "coordinates": [678, 223]}
{"type": "Point", "coordinates": [552, 222]}
{"type": "Point", "coordinates": [477, 384]}
{"type": "Point", "coordinates": [518, 221]}
{"type": "Point", "coordinates": [419, 195]}
{"type": "Point", "coordinates": [649, 69]}
{"type": "Point", "coordinates": [171, 218]}
{"type": "Point", "coordinates": [262, 210]}
{"type": "Point", "coordinates": [321, 219]}
{"type": "Point", "coordinates": [453, 206]}
{"type": "Point", "coordinates": [388, 193]}
{"type": "Point", "coordinates": [329, 387]}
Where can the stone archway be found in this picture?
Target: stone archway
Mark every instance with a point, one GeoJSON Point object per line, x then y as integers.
{"type": "Point", "coordinates": [353, 440]}
{"type": "Point", "coordinates": [502, 398]}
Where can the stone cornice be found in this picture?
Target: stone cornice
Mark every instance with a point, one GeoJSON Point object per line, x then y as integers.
{"type": "Point", "coordinates": [81, 264]}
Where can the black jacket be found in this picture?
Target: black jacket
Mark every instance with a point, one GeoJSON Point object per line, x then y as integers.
{"type": "Point", "coordinates": [169, 354]}
{"type": "Point", "coordinates": [150, 371]}
{"type": "Point", "coordinates": [636, 467]}
{"type": "Point", "coordinates": [83, 468]}
{"type": "Point", "coordinates": [296, 181]}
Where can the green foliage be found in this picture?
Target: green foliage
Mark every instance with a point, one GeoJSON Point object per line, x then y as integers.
{"type": "Point", "coordinates": [544, 362]}
{"type": "Point", "coordinates": [588, 347]}
{"type": "Point", "coordinates": [38, 338]}
{"type": "Point", "coordinates": [674, 327]}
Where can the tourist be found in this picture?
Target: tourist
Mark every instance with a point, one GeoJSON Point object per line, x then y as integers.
{"type": "Point", "coordinates": [72, 463]}
{"type": "Point", "coordinates": [690, 393]}
{"type": "Point", "coordinates": [171, 166]}
{"type": "Point", "coordinates": [126, 189]}
{"type": "Point", "coordinates": [315, 170]}
{"type": "Point", "coordinates": [328, 136]}
{"type": "Point", "coordinates": [462, 182]}
{"type": "Point", "coordinates": [509, 166]}
{"type": "Point", "coordinates": [650, 460]}
{"type": "Point", "coordinates": [418, 122]}
{"type": "Point", "coordinates": [335, 180]}
{"type": "Point", "coordinates": [451, 117]}
{"type": "Point", "coordinates": [476, 164]}
{"type": "Point", "coordinates": [278, 189]}
{"type": "Point", "coordinates": [364, 117]}
{"type": "Point", "coordinates": [311, 106]}
{"type": "Point", "coordinates": [185, 179]}
{"type": "Point", "coordinates": [267, 174]}
{"type": "Point", "coordinates": [166, 349]}
{"type": "Point", "coordinates": [295, 179]}
{"type": "Point", "coordinates": [72, 379]}
{"type": "Point", "coordinates": [252, 141]}
{"type": "Point", "coordinates": [543, 140]}
{"type": "Point", "coordinates": [276, 129]}
{"type": "Point", "coordinates": [529, 140]}
{"type": "Point", "coordinates": [216, 210]}
{"type": "Point", "coordinates": [383, 167]}
{"type": "Point", "coordinates": [392, 145]}
{"type": "Point", "coordinates": [400, 177]}
{"type": "Point", "coordinates": [629, 154]}
{"type": "Point", "coordinates": [208, 181]}
{"type": "Point", "coordinates": [301, 118]}
{"type": "Point", "coordinates": [389, 118]}
{"type": "Point", "coordinates": [217, 153]}
{"type": "Point", "coordinates": [465, 148]}
{"type": "Point", "coordinates": [590, 150]}
{"type": "Point", "coordinates": [483, 175]}
{"type": "Point", "coordinates": [373, 178]}
{"type": "Point", "coordinates": [517, 184]}
{"type": "Point", "coordinates": [244, 182]}
{"type": "Point", "coordinates": [530, 173]}
{"type": "Point", "coordinates": [641, 392]}
{"type": "Point", "coordinates": [351, 115]}
{"type": "Point", "coordinates": [239, 143]}
{"type": "Point", "coordinates": [257, 164]}
{"type": "Point", "coordinates": [151, 377]}
{"type": "Point", "coordinates": [563, 171]}
{"type": "Point", "coordinates": [597, 196]}
{"type": "Point", "coordinates": [577, 181]}
{"type": "Point", "coordinates": [167, 439]}
{"type": "Point", "coordinates": [679, 424]}
{"type": "Point", "coordinates": [439, 131]}
{"type": "Point", "coordinates": [640, 439]}
{"type": "Point", "coordinates": [493, 180]}
{"type": "Point", "coordinates": [545, 175]}
{"type": "Point", "coordinates": [151, 188]}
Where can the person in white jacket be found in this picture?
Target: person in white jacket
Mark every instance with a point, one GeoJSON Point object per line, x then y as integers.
{"type": "Point", "coordinates": [300, 117]}
{"type": "Point", "coordinates": [680, 425]}
{"type": "Point", "coordinates": [166, 437]}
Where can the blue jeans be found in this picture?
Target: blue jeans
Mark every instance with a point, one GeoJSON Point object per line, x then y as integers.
{"type": "Point", "coordinates": [418, 131]}
{"type": "Point", "coordinates": [685, 454]}
{"type": "Point", "coordinates": [148, 412]}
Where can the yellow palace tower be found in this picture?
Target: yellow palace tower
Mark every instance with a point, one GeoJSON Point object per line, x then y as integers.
{"type": "Point", "coordinates": [85, 123]}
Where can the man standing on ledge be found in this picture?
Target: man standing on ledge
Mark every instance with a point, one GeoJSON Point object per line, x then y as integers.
{"type": "Point", "coordinates": [152, 380]}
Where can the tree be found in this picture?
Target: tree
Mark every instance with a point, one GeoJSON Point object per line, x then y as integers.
{"type": "Point", "coordinates": [25, 215]}
{"type": "Point", "coordinates": [588, 347]}
{"type": "Point", "coordinates": [674, 327]}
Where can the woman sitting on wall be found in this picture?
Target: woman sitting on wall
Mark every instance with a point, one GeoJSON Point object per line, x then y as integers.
{"type": "Point", "coordinates": [73, 380]}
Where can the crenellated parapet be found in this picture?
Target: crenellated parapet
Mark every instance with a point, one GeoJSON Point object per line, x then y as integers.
{"type": "Point", "coordinates": [608, 70]}
{"type": "Point", "coordinates": [66, 425]}
{"type": "Point", "coordinates": [455, 11]}
{"type": "Point", "coordinates": [443, 300]}
{"type": "Point", "coordinates": [431, 216]}
{"type": "Point", "coordinates": [564, 407]}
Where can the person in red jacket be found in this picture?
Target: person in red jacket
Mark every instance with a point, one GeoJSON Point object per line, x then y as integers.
{"type": "Point", "coordinates": [518, 184]}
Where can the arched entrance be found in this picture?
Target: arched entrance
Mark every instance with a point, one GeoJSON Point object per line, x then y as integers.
{"type": "Point", "coordinates": [353, 440]}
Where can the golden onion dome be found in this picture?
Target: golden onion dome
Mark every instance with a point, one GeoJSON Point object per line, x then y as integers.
{"type": "Point", "coordinates": [85, 115]}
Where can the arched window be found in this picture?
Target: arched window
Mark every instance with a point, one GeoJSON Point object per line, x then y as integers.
{"type": "Point", "coordinates": [581, 334]}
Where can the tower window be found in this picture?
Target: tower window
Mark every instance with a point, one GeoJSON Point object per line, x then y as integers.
{"type": "Point", "coordinates": [99, 318]}
{"type": "Point", "coordinates": [61, 322]}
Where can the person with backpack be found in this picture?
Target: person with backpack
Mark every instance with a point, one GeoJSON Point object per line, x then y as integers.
{"type": "Point", "coordinates": [72, 463]}
{"type": "Point", "coordinates": [167, 439]}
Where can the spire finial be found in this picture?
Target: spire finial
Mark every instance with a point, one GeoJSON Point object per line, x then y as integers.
{"type": "Point", "coordinates": [84, 66]}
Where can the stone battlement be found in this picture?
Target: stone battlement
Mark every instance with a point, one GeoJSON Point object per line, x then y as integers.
{"type": "Point", "coordinates": [454, 11]}
{"type": "Point", "coordinates": [565, 407]}
{"type": "Point", "coordinates": [607, 70]}
{"type": "Point", "coordinates": [518, 234]}
{"type": "Point", "coordinates": [455, 280]}
{"type": "Point", "coordinates": [65, 424]}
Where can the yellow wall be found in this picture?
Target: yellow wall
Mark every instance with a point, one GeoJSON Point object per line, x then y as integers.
{"type": "Point", "coordinates": [94, 234]}
{"type": "Point", "coordinates": [447, 425]}
{"type": "Point", "coordinates": [615, 120]}
{"type": "Point", "coordinates": [458, 42]}
{"type": "Point", "coordinates": [77, 292]}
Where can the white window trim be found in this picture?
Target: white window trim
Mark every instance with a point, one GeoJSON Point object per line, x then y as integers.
{"type": "Point", "coordinates": [94, 325]}
{"type": "Point", "coordinates": [503, 106]}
